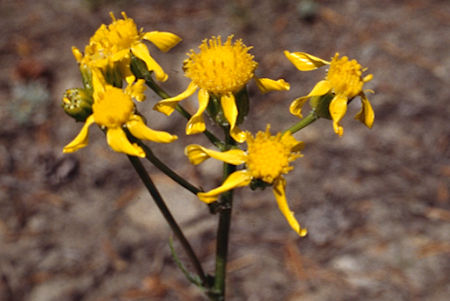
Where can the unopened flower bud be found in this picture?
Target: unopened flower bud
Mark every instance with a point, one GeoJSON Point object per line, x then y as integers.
{"type": "Point", "coordinates": [77, 103]}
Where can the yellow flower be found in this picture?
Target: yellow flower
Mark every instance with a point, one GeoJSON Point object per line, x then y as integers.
{"type": "Point", "coordinates": [220, 70]}
{"type": "Point", "coordinates": [267, 158]}
{"type": "Point", "coordinates": [113, 110]}
{"type": "Point", "coordinates": [113, 44]}
{"type": "Point", "coordinates": [344, 79]}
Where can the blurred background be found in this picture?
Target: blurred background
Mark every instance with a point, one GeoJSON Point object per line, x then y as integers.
{"type": "Point", "coordinates": [376, 202]}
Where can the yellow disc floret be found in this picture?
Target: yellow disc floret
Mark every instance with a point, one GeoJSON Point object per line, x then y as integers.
{"type": "Point", "coordinates": [345, 76]}
{"type": "Point", "coordinates": [269, 156]}
{"type": "Point", "coordinates": [112, 108]}
{"type": "Point", "coordinates": [119, 35]}
{"type": "Point", "coordinates": [221, 68]}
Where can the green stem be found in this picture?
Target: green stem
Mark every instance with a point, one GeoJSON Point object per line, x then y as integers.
{"type": "Point", "coordinates": [223, 231]}
{"type": "Point", "coordinates": [165, 169]}
{"type": "Point", "coordinates": [303, 123]}
{"type": "Point", "coordinates": [168, 216]}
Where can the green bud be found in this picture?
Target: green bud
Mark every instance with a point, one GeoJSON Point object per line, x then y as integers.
{"type": "Point", "coordinates": [77, 103]}
{"type": "Point", "coordinates": [321, 104]}
{"type": "Point", "coordinates": [86, 77]}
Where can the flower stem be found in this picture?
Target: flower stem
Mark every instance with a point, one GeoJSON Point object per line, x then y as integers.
{"type": "Point", "coordinates": [165, 169]}
{"type": "Point", "coordinates": [303, 123]}
{"type": "Point", "coordinates": [168, 216]}
{"type": "Point", "coordinates": [223, 231]}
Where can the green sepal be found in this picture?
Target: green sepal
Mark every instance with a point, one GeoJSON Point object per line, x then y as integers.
{"type": "Point", "coordinates": [113, 76]}
{"type": "Point", "coordinates": [321, 104]}
{"type": "Point", "coordinates": [86, 77]}
{"type": "Point", "coordinates": [258, 183]}
{"type": "Point", "coordinates": [139, 68]}
{"type": "Point", "coordinates": [243, 105]}
{"type": "Point", "coordinates": [215, 111]}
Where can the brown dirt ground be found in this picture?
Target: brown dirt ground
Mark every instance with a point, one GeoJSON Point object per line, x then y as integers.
{"type": "Point", "coordinates": [376, 202]}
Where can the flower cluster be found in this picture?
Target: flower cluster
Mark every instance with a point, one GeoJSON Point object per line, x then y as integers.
{"type": "Point", "coordinates": [104, 65]}
{"type": "Point", "coordinates": [219, 71]}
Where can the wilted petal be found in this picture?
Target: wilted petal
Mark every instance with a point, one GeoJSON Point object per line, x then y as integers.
{"type": "Point", "coordinates": [167, 106]}
{"type": "Point", "coordinates": [163, 40]}
{"type": "Point", "coordinates": [338, 107]}
{"type": "Point", "coordinates": [266, 84]}
{"type": "Point", "coordinates": [141, 51]}
{"type": "Point", "coordinates": [366, 115]}
{"type": "Point", "coordinates": [77, 54]}
{"type": "Point", "coordinates": [236, 179]}
{"type": "Point", "coordinates": [81, 140]}
{"type": "Point", "coordinates": [136, 90]}
{"type": "Point", "coordinates": [279, 190]}
{"type": "Point", "coordinates": [197, 154]}
{"type": "Point", "coordinates": [118, 141]}
{"type": "Point", "coordinates": [230, 110]}
{"type": "Point", "coordinates": [321, 88]}
{"type": "Point", "coordinates": [304, 61]}
{"type": "Point", "coordinates": [196, 124]}
{"type": "Point", "coordinates": [139, 130]}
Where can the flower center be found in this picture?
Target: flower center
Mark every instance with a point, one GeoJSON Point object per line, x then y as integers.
{"type": "Point", "coordinates": [345, 76]}
{"type": "Point", "coordinates": [119, 35]}
{"type": "Point", "coordinates": [269, 156]}
{"type": "Point", "coordinates": [112, 108]}
{"type": "Point", "coordinates": [220, 68]}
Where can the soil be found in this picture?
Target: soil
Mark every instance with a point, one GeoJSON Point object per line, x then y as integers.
{"type": "Point", "coordinates": [376, 202]}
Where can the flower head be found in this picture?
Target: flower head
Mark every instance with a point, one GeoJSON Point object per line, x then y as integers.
{"type": "Point", "coordinates": [344, 80]}
{"type": "Point", "coordinates": [267, 158]}
{"type": "Point", "coordinates": [113, 110]}
{"type": "Point", "coordinates": [113, 44]}
{"type": "Point", "coordinates": [220, 70]}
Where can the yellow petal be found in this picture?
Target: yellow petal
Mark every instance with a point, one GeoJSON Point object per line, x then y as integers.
{"type": "Point", "coordinates": [139, 130]}
{"type": "Point", "coordinates": [77, 54]}
{"type": "Point", "coordinates": [196, 124]}
{"type": "Point", "coordinates": [81, 140]}
{"type": "Point", "coordinates": [321, 88]}
{"type": "Point", "coordinates": [98, 81]}
{"type": "Point", "coordinates": [238, 135]}
{"type": "Point", "coordinates": [197, 154]}
{"type": "Point", "coordinates": [167, 106]}
{"type": "Point", "coordinates": [304, 61]}
{"type": "Point", "coordinates": [366, 115]}
{"type": "Point", "coordinates": [228, 103]}
{"type": "Point", "coordinates": [136, 90]}
{"type": "Point", "coordinates": [236, 179]}
{"type": "Point", "coordinates": [119, 55]}
{"type": "Point", "coordinates": [118, 141]}
{"type": "Point", "coordinates": [141, 51]}
{"type": "Point", "coordinates": [338, 107]}
{"type": "Point", "coordinates": [230, 110]}
{"type": "Point", "coordinates": [266, 84]}
{"type": "Point", "coordinates": [125, 71]}
{"type": "Point", "coordinates": [163, 40]}
{"type": "Point", "coordinates": [280, 195]}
